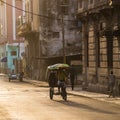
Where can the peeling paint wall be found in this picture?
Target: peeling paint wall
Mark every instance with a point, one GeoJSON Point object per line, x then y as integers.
{"type": "Point", "coordinates": [53, 31]}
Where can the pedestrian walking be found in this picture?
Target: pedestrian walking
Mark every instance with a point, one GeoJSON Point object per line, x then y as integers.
{"type": "Point", "coordinates": [73, 76]}
{"type": "Point", "coordinates": [21, 75]}
{"type": "Point", "coordinates": [111, 84]}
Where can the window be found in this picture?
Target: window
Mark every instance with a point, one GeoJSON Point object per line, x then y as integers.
{"type": "Point", "coordinates": [13, 53]}
{"type": "Point", "coordinates": [65, 2]}
{"type": "Point", "coordinates": [31, 9]}
{"type": "Point", "coordinates": [80, 3]}
{"type": "Point", "coordinates": [65, 10]}
{"type": "Point", "coordinates": [91, 4]}
{"type": "Point", "coordinates": [55, 34]}
{"type": "Point", "coordinates": [110, 52]}
{"type": "Point", "coordinates": [64, 7]}
{"type": "Point", "coordinates": [86, 50]}
{"type": "Point", "coordinates": [87, 54]}
{"type": "Point", "coordinates": [91, 1]}
{"type": "Point", "coordinates": [98, 50]}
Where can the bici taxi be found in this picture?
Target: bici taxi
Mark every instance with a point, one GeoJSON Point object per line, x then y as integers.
{"type": "Point", "coordinates": [57, 76]}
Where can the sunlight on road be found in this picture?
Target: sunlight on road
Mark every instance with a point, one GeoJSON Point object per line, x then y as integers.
{"type": "Point", "coordinates": [23, 101]}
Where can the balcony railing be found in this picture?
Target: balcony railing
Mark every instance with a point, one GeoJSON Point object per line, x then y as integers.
{"type": "Point", "coordinates": [96, 5]}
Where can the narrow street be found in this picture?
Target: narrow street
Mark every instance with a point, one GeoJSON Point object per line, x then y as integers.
{"type": "Point", "coordinates": [23, 101]}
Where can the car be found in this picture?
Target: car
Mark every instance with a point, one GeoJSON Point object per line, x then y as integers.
{"type": "Point", "coordinates": [13, 77]}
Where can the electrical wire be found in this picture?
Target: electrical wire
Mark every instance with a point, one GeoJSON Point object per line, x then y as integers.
{"type": "Point", "coordinates": [32, 12]}
{"type": "Point", "coordinates": [44, 16]}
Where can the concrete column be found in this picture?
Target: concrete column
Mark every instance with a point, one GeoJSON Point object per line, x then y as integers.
{"type": "Point", "coordinates": [14, 20]}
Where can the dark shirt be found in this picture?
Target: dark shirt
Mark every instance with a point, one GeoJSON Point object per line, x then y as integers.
{"type": "Point", "coordinates": [72, 73]}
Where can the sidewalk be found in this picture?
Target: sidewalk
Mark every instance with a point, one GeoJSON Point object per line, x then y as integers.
{"type": "Point", "coordinates": [79, 92]}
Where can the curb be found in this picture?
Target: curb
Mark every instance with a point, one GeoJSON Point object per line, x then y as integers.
{"type": "Point", "coordinates": [78, 95]}
{"type": "Point", "coordinates": [35, 83]}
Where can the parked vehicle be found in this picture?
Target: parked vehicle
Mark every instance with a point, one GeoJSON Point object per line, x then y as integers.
{"type": "Point", "coordinates": [12, 76]}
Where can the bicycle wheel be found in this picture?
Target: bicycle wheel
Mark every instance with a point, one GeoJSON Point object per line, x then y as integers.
{"type": "Point", "coordinates": [51, 91]}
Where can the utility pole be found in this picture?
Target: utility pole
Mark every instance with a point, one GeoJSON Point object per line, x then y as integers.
{"type": "Point", "coordinates": [63, 40]}
{"type": "Point", "coordinates": [40, 38]}
{"type": "Point", "coordinates": [63, 7]}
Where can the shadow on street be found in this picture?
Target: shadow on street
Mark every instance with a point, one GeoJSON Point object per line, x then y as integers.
{"type": "Point", "coordinates": [82, 106]}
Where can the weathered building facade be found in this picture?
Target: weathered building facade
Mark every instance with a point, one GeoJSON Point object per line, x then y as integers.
{"type": "Point", "coordinates": [60, 38]}
{"type": "Point", "coordinates": [51, 35]}
{"type": "Point", "coordinates": [100, 40]}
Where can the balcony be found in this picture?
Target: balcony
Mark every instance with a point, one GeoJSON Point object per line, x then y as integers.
{"type": "Point", "coordinates": [95, 7]}
{"type": "Point", "coordinates": [80, 10]}
{"type": "Point", "coordinates": [25, 30]}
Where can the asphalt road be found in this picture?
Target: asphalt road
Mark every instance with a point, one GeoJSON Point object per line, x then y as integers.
{"type": "Point", "coordinates": [23, 101]}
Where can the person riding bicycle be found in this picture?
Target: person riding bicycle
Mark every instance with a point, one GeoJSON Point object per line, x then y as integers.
{"type": "Point", "coordinates": [61, 79]}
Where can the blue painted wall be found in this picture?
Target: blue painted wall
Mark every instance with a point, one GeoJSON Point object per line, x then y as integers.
{"type": "Point", "coordinates": [10, 57]}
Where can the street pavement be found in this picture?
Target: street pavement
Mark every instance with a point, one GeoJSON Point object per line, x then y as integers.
{"type": "Point", "coordinates": [79, 92]}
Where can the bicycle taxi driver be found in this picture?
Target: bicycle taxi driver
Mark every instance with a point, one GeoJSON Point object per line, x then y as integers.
{"type": "Point", "coordinates": [61, 79]}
